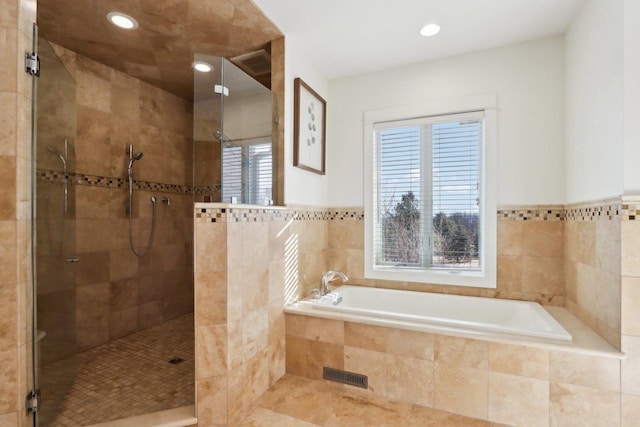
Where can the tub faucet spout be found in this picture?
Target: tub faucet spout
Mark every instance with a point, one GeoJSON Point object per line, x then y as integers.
{"type": "Point", "coordinates": [329, 277]}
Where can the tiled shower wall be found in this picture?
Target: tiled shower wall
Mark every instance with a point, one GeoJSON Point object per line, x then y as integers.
{"type": "Point", "coordinates": [116, 292]}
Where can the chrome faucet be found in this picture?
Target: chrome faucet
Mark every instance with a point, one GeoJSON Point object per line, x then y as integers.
{"type": "Point", "coordinates": [329, 277]}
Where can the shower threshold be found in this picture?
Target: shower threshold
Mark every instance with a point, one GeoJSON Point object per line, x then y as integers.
{"type": "Point", "coordinates": [178, 417]}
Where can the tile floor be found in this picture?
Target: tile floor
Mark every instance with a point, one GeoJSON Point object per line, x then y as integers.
{"type": "Point", "coordinates": [300, 402]}
{"type": "Point", "coordinates": [125, 377]}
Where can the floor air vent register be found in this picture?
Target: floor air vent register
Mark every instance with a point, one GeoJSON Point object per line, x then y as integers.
{"type": "Point", "coordinates": [345, 377]}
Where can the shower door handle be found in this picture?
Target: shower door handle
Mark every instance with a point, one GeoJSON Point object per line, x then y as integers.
{"type": "Point", "coordinates": [73, 260]}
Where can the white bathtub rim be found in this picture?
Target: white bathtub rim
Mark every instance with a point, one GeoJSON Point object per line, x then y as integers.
{"type": "Point", "coordinates": [585, 341]}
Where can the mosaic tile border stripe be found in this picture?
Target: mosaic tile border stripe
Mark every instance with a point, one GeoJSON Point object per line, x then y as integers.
{"type": "Point", "coordinates": [623, 211]}
{"type": "Point", "coordinates": [553, 214]}
{"type": "Point", "coordinates": [231, 214]}
{"type": "Point", "coordinates": [111, 182]}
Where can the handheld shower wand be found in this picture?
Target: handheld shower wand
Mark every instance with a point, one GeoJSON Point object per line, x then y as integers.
{"type": "Point", "coordinates": [132, 159]}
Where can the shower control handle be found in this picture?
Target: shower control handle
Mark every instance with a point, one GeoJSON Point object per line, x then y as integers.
{"type": "Point", "coordinates": [73, 260]}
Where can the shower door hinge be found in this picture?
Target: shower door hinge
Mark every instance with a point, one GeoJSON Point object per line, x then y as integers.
{"type": "Point", "coordinates": [32, 64]}
{"type": "Point", "coordinates": [32, 400]}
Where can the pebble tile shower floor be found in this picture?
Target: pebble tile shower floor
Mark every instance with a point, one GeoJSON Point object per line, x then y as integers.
{"type": "Point", "coordinates": [131, 376]}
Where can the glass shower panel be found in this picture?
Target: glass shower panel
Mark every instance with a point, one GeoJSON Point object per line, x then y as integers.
{"type": "Point", "coordinates": [233, 127]}
{"type": "Point", "coordinates": [247, 125]}
{"type": "Point", "coordinates": [207, 119]}
{"type": "Point", "coordinates": [55, 233]}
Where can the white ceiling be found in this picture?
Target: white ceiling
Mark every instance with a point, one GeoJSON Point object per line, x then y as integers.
{"type": "Point", "coordinates": [345, 37]}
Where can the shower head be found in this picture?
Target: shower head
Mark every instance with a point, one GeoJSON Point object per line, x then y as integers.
{"type": "Point", "coordinates": [133, 158]}
{"type": "Point", "coordinates": [59, 154]}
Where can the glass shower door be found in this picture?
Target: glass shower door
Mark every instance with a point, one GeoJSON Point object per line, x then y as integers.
{"type": "Point", "coordinates": [54, 236]}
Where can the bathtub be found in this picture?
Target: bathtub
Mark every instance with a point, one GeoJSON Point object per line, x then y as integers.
{"type": "Point", "coordinates": [521, 318]}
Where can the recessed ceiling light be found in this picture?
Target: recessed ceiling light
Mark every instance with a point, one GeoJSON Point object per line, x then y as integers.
{"type": "Point", "coordinates": [430, 30]}
{"type": "Point", "coordinates": [123, 21]}
{"type": "Point", "coordinates": [201, 66]}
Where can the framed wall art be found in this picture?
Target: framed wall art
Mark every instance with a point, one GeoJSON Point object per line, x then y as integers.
{"type": "Point", "coordinates": [309, 123]}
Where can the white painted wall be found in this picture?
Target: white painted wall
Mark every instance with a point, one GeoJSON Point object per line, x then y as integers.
{"type": "Point", "coordinates": [594, 49]}
{"type": "Point", "coordinates": [301, 187]}
{"type": "Point", "coordinates": [528, 79]}
{"type": "Point", "coordinates": [632, 97]}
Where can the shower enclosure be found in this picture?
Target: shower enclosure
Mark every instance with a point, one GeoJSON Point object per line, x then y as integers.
{"type": "Point", "coordinates": [118, 165]}
{"type": "Point", "coordinates": [234, 126]}
{"type": "Point", "coordinates": [113, 243]}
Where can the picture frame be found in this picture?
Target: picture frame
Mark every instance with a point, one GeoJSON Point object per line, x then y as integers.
{"type": "Point", "coordinates": [309, 129]}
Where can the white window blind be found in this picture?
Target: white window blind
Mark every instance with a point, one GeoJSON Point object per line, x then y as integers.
{"type": "Point", "coordinates": [426, 192]}
{"type": "Point", "coordinates": [247, 172]}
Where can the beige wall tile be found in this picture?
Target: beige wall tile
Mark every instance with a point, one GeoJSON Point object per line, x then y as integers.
{"type": "Point", "coordinates": [256, 379]}
{"type": "Point", "coordinates": [419, 345]}
{"type": "Point", "coordinates": [608, 255]}
{"type": "Point", "coordinates": [123, 322]}
{"type": "Point", "coordinates": [277, 341]}
{"type": "Point", "coordinates": [210, 247]}
{"type": "Point", "coordinates": [630, 366]}
{"type": "Point", "coordinates": [296, 355]}
{"type": "Point", "coordinates": [323, 354]}
{"type": "Point", "coordinates": [211, 404]}
{"type": "Point", "coordinates": [9, 377]}
{"type": "Point", "coordinates": [211, 351]}
{"type": "Point", "coordinates": [255, 287]}
{"type": "Point", "coordinates": [410, 380]}
{"type": "Point", "coordinates": [9, 420]}
{"type": "Point", "coordinates": [461, 352]}
{"type": "Point", "coordinates": [9, 14]}
{"type": "Point", "coordinates": [461, 390]}
{"type": "Point", "coordinates": [355, 263]}
{"type": "Point", "coordinates": [543, 275]}
{"type": "Point", "coordinates": [584, 370]}
{"type": "Point", "coordinates": [255, 243]}
{"type": "Point", "coordinates": [630, 314]}
{"type": "Point", "coordinates": [8, 55]}
{"type": "Point", "coordinates": [325, 330]}
{"type": "Point", "coordinates": [373, 364]}
{"type": "Point", "coordinates": [630, 249]}
{"type": "Point", "coordinates": [572, 405]}
{"type": "Point", "coordinates": [92, 315]}
{"type": "Point", "coordinates": [510, 272]}
{"type": "Point", "coordinates": [8, 190]}
{"type": "Point", "coordinates": [516, 400]}
{"type": "Point", "coordinates": [543, 238]}
{"type": "Point", "coordinates": [367, 337]}
{"type": "Point", "coordinates": [295, 325]}
{"type": "Point", "coordinates": [234, 245]}
{"type": "Point", "coordinates": [255, 330]}
{"type": "Point", "coordinates": [210, 298]}
{"type": "Point", "coordinates": [608, 299]}
{"type": "Point", "coordinates": [586, 287]}
{"type": "Point", "coordinates": [8, 123]}
{"type": "Point", "coordinates": [519, 360]}
{"type": "Point", "coordinates": [276, 279]}
{"type": "Point", "coordinates": [586, 243]}
{"type": "Point", "coordinates": [630, 410]}
{"type": "Point", "coordinates": [510, 235]}
{"type": "Point", "coordinates": [8, 260]}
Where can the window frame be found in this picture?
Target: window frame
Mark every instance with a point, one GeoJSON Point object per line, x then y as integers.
{"type": "Point", "coordinates": [486, 276]}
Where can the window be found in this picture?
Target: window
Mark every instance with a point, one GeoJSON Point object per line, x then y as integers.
{"type": "Point", "coordinates": [429, 214]}
{"type": "Point", "coordinates": [247, 171]}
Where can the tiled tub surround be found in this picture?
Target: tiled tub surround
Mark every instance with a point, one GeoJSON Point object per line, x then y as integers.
{"type": "Point", "coordinates": [498, 380]}
{"type": "Point", "coordinates": [116, 292]}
